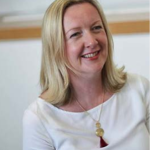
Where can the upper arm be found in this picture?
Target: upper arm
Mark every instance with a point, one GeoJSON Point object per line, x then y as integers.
{"type": "Point", "coordinates": [35, 136]}
{"type": "Point", "coordinates": [146, 87]}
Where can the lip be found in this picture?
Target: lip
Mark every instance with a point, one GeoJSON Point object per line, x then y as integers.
{"type": "Point", "coordinates": [92, 58]}
{"type": "Point", "coordinates": [90, 53]}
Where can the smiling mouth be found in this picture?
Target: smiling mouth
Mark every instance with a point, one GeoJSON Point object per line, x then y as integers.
{"type": "Point", "coordinates": [90, 55]}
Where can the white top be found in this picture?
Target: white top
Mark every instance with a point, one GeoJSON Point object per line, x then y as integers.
{"type": "Point", "coordinates": [125, 119]}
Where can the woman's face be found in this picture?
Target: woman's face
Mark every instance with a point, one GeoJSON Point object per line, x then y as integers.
{"type": "Point", "coordinates": [86, 40]}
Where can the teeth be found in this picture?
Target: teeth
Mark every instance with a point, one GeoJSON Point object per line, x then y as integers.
{"type": "Point", "coordinates": [90, 55]}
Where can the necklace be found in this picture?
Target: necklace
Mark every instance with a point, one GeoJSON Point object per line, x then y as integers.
{"type": "Point", "coordinates": [99, 131]}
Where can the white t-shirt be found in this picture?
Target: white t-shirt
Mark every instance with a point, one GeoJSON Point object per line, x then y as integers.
{"type": "Point", "coordinates": [125, 119]}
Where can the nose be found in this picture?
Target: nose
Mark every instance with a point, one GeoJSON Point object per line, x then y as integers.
{"type": "Point", "coordinates": [90, 40]}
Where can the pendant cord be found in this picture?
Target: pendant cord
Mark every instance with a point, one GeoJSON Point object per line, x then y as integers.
{"type": "Point", "coordinates": [99, 131]}
{"type": "Point", "coordinates": [89, 113]}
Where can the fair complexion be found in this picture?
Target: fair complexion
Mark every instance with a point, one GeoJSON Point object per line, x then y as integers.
{"type": "Point", "coordinates": [86, 40]}
{"type": "Point", "coordinates": [87, 50]}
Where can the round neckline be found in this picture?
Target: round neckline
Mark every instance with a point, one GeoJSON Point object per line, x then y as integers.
{"type": "Point", "coordinates": [71, 112]}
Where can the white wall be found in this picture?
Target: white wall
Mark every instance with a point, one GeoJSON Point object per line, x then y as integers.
{"type": "Point", "coordinates": [38, 6]}
{"type": "Point", "coordinates": [133, 51]}
{"type": "Point", "coordinates": [19, 78]}
{"type": "Point", "coordinates": [19, 86]}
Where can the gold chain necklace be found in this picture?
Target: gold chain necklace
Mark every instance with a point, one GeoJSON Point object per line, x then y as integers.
{"type": "Point", "coordinates": [99, 131]}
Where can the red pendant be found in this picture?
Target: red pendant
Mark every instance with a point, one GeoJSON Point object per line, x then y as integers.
{"type": "Point", "coordinates": [102, 142]}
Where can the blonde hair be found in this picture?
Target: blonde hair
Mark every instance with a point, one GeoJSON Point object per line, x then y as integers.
{"type": "Point", "coordinates": [54, 76]}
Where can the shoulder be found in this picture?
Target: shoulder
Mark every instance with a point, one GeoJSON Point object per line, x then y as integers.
{"type": "Point", "coordinates": [137, 84]}
{"type": "Point", "coordinates": [33, 121]}
{"type": "Point", "coordinates": [33, 113]}
{"type": "Point", "coordinates": [30, 116]}
{"type": "Point", "coordinates": [32, 108]}
{"type": "Point", "coordinates": [34, 132]}
{"type": "Point", "coordinates": [138, 81]}
{"type": "Point", "coordinates": [39, 111]}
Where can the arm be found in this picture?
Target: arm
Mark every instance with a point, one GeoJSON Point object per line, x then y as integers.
{"type": "Point", "coordinates": [35, 136]}
{"type": "Point", "coordinates": [146, 87]}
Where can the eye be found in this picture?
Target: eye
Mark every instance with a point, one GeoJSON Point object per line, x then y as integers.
{"type": "Point", "coordinates": [97, 28]}
{"type": "Point", "coordinates": [75, 34]}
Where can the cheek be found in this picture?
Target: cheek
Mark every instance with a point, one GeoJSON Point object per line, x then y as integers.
{"type": "Point", "coordinates": [104, 40]}
{"type": "Point", "coordinates": [70, 52]}
{"type": "Point", "coordinates": [73, 50]}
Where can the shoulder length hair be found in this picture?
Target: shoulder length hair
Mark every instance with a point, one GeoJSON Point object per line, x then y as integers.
{"type": "Point", "coordinates": [54, 77]}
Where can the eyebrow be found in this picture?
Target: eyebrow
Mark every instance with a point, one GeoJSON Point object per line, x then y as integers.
{"type": "Point", "coordinates": [72, 29]}
{"type": "Point", "coordinates": [97, 22]}
{"type": "Point", "coordinates": [78, 27]}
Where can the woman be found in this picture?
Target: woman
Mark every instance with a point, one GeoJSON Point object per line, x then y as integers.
{"type": "Point", "coordinates": [86, 102]}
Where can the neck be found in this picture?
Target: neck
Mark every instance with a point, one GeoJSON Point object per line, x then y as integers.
{"type": "Point", "coordinates": [88, 91]}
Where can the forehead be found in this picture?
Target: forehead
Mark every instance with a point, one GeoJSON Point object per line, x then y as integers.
{"type": "Point", "coordinates": [80, 12]}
